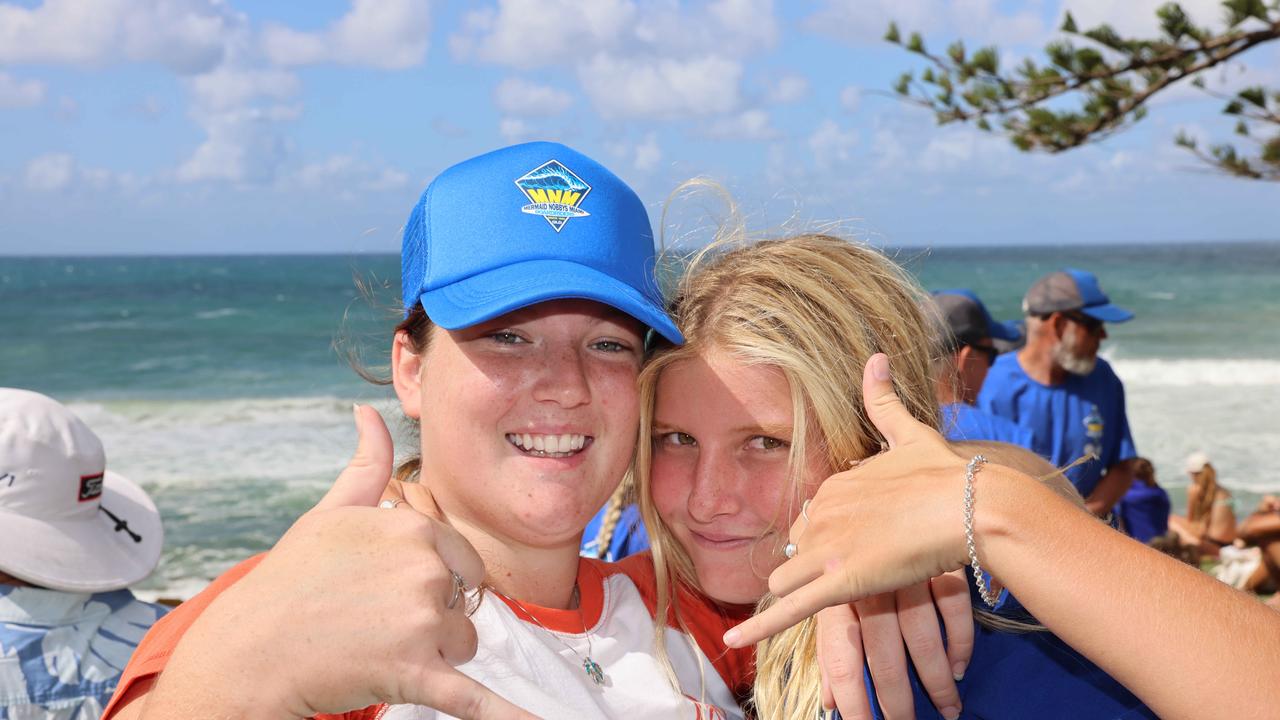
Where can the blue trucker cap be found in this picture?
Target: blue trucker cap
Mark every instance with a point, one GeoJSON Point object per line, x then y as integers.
{"type": "Point", "coordinates": [1071, 289]}
{"type": "Point", "coordinates": [527, 224]}
{"type": "Point", "coordinates": [968, 320]}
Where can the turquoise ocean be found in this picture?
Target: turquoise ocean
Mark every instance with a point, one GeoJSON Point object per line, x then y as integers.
{"type": "Point", "coordinates": [221, 384]}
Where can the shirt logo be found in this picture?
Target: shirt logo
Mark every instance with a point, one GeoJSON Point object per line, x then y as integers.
{"type": "Point", "coordinates": [554, 192]}
{"type": "Point", "coordinates": [90, 487]}
{"type": "Point", "coordinates": [1093, 432]}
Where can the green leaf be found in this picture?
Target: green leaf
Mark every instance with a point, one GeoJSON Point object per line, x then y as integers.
{"type": "Point", "coordinates": [1235, 107]}
{"type": "Point", "coordinates": [1271, 151]}
{"type": "Point", "coordinates": [1242, 128]}
{"type": "Point", "coordinates": [1069, 24]}
{"type": "Point", "coordinates": [1173, 20]}
{"type": "Point", "coordinates": [927, 75]}
{"type": "Point", "coordinates": [987, 60]}
{"type": "Point", "coordinates": [903, 86]}
{"type": "Point", "coordinates": [956, 51]}
{"type": "Point", "coordinates": [916, 43]}
{"type": "Point", "coordinates": [982, 124]}
{"type": "Point", "coordinates": [892, 35]}
{"type": "Point", "coordinates": [1185, 140]}
{"type": "Point", "coordinates": [1106, 35]}
{"type": "Point", "coordinates": [1198, 82]}
{"type": "Point", "coordinates": [1256, 96]}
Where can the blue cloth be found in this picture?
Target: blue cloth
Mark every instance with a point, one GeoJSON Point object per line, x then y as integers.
{"type": "Point", "coordinates": [61, 653]}
{"type": "Point", "coordinates": [1026, 675]}
{"type": "Point", "coordinates": [1145, 512]}
{"type": "Point", "coordinates": [961, 421]}
{"type": "Point", "coordinates": [1083, 415]}
{"type": "Point", "coordinates": [629, 536]}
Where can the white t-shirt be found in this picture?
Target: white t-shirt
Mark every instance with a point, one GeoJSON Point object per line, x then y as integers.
{"type": "Point", "coordinates": [540, 668]}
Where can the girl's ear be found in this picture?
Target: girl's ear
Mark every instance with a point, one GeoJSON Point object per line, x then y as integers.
{"type": "Point", "coordinates": [406, 375]}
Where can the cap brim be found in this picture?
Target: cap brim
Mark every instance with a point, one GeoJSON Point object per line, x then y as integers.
{"type": "Point", "coordinates": [1108, 313]}
{"type": "Point", "coordinates": [1005, 331]}
{"type": "Point", "coordinates": [497, 292]}
{"type": "Point", "coordinates": [86, 555]}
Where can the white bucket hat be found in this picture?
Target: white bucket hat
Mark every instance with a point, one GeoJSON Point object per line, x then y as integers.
{"type": "Point", "coordinates": [66, 522]}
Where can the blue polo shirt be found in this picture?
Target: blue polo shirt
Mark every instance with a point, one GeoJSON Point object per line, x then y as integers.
{"type": "Point", "coordinates": [1083, 415]}
{"type": "Point", "coordinates": [1026, 675]}
{"type": "Point", "coordinates": [629, 536]}
{"type": "Point", "coordinates": [961, 421]}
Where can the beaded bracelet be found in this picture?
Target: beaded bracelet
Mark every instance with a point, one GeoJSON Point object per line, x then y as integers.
{"type": "Point", "coordinates": [974, 466]}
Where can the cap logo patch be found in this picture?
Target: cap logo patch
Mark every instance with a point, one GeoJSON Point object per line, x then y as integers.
{"type": "Point", "coordinates": [554, 192]}
{"type": "Point", "coordinates": [90, 487]}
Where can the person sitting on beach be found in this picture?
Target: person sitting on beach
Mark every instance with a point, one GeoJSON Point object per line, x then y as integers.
{"type": "Point", "coordinates": [1261, 530]}
{"type": "Point", "coordinates": [1144, 510]}
{"type": "Point", "coordinates": [1210, 522]}
{"type": "Point", "coordinates": [968, 353]}
{"type": "Point", "coordinates": [1057, 387]}
{"type": "Point", "coordinates": [73, 537]}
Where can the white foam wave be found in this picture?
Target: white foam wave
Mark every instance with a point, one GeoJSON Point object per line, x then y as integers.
{"type": "Point", "coordinates": [219, 313]}
{"type": "Point", "coordinates": [1198, 373]}
{"type": "Point", "coordinates": [101, 325]}
{"type": "Point", "coordinates": [196, 443]}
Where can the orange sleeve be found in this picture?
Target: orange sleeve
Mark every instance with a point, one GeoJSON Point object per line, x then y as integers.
{"type": "Point", "coordinates": [152, 654]}
{"type": "Point", "coordinates": [705, 620]}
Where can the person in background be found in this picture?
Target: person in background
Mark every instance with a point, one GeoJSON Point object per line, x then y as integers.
{"type": "Point", "coordinates": [969, 333]}
{"type": "Point", "coordinates": [1144, 510]}
{"type": "Point", "coordinates": [1210, 522]}
{"type": "Point", "coordinates": [1058, 388]}
{"type": "Point", "coordinates": [1261, 530]}
{"type": "Point", "coordinates": [73, 537]}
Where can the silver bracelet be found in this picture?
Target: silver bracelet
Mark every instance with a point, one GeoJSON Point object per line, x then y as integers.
{"type": "Point", "coordinates": [974, 466]}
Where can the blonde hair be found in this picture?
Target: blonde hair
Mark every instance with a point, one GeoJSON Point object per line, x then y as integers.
{"type": "Point", "coordinates": [1206, 481]}
{"type": "Point", "coordinates": [815, 307]}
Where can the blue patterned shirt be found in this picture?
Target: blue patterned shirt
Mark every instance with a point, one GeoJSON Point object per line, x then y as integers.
{"type": "Point", "coordinates": [61, 653]}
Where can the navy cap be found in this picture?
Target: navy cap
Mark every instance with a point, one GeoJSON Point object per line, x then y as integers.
{"type": "Point", "coordinates": [527, 224]}
{"type": "Point", "coordinates": [968, 320]}
{"type": "Point", "coordinates": [1072, 289]}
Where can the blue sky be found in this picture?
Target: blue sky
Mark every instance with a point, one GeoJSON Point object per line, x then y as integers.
{"type": "Point", "coordinates": [212, 126]}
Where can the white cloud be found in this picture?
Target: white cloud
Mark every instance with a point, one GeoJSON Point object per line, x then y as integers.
{"type": "Point", "coordinates": [831, 145]}
{"type": "Point", "coordinates": [50, 172]}
{"type": "Point", "coordinates": [513, 129]}
{"type": "Point", "coordinates": [346, 173]}
{"type": "Point", "coordinates": [515, 96]}
{"type": "Point", "coordinates": [184, 35]}
{"type": "Point", "coordinates": [748, 125]}
{"type": "Point", "coordinates": [661, 87]}
{"type": "Point", "coordinates": [229, 88]}
{"type": "Point", "coordinates": [241, 146]}
{"type": "Point", "coordinates": [528, 33]}
{"type": "Point", "coordinates": [15, 93]}
{"type": "Point", "coordinates": [667, 61]}
{"type": "Point", "coordinates": [851, 98]}
{"type": "Point", "coordinates": [788, 89]}
{"type": "Point", "coordinates": [865, 21]}
{"type": "Point", "coordinates": [648, 153]}
{"type": "Point", "coordinates": [387, 34]}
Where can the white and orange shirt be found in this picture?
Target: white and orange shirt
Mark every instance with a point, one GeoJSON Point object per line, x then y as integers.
{"type": "Point", "coordinates": [538, 665]}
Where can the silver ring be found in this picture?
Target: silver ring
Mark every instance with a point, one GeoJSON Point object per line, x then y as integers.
{"type": "Point", "coordinates": [804, 510]}
{"type": "Point", "coordinates": [459, 586]}
{"type": "Point", "coordinates": [390, 504]}
{"type": "Point", "coordinates": [790, 550]}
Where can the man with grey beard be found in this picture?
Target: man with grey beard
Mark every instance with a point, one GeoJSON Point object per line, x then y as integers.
{"type": "Point", "coordinates": [1058, 388]}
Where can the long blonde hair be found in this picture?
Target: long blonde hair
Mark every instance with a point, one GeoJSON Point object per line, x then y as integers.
{"type": "Point", "coordinates": [1206, 481]}
{"type": "Point", "coordinates": [815, 307]}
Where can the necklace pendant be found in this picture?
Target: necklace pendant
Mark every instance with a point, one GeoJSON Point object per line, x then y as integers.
{"type": "Point", "coordinates": [593, 670]}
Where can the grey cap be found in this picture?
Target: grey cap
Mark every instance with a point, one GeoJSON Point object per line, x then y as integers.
{"type": "Point", "coordinates": [1071, 289]}
{"type": "Point", "coordinates": [968, 320]}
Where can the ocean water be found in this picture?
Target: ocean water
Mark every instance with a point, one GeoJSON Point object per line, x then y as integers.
{"type": "Point", "coordinates": [221, 384]}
